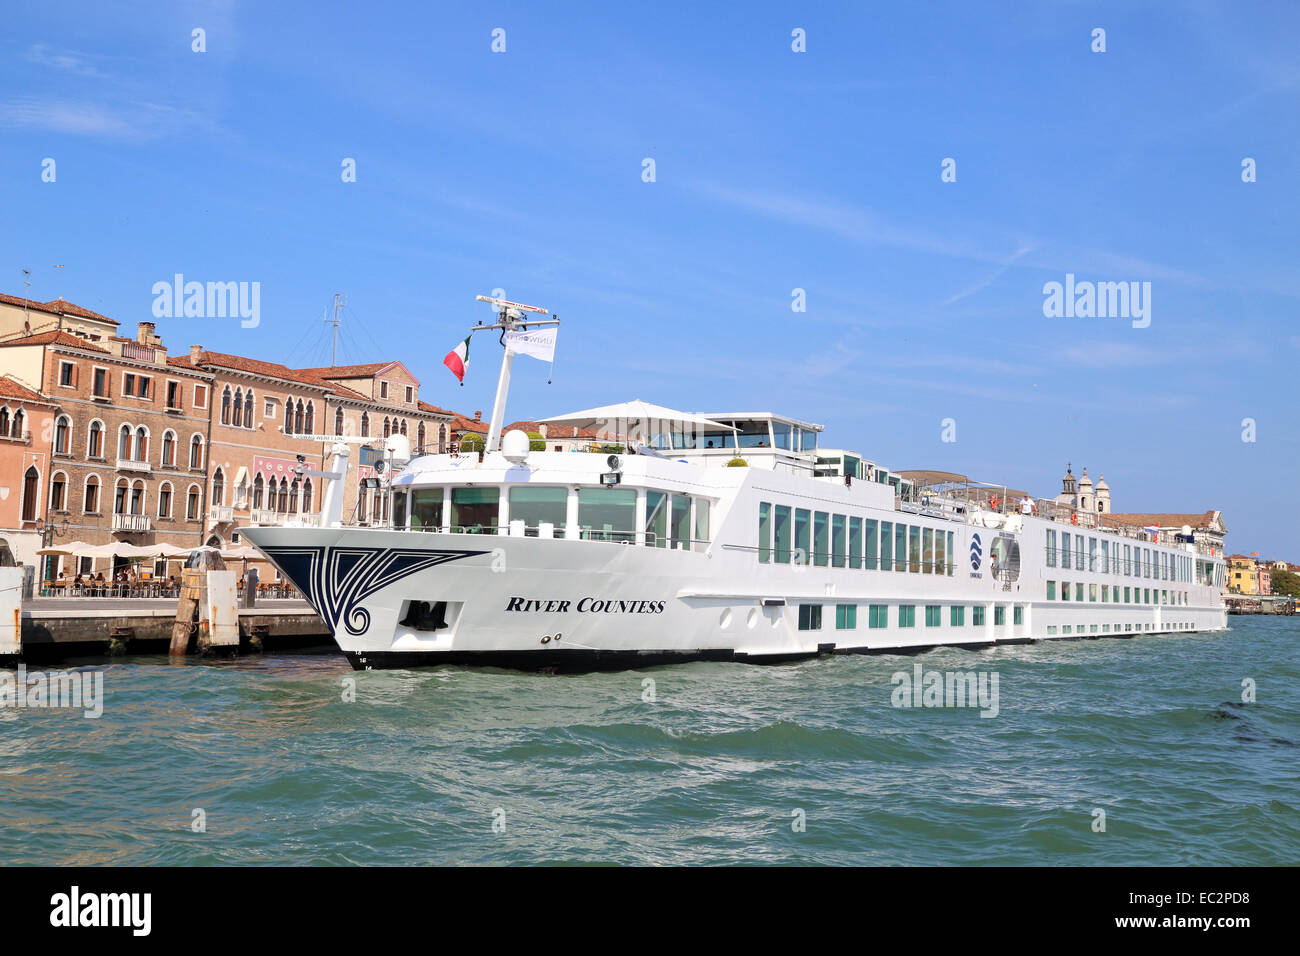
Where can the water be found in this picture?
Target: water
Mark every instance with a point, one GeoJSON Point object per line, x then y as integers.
{"type": "Point", "coordinates": [1151, 730]}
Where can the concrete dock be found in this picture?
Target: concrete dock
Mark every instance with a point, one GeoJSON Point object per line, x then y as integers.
{"type": "Point", "coordinates": [55, 629]}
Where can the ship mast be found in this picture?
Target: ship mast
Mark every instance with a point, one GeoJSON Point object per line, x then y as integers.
{"type": "Point", "coordinates": [512, 319]}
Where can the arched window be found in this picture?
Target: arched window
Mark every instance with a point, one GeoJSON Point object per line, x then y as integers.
{"type": "Point", "coordinates": [365, 425]}
{"type": "Point", "coordinates": [237, 412]}
{"type": "Point", "coordinates": [19, 421]}
{"type": "Point", "coordinates": [403, 426]}
{"type": "Point", "coordinates": [119, 497]}
{"type": "Point", "coordinates": [225, 406]}
{"type": "Point", "coordinates": [124, 443]}
{"type": "Point", "coordinates": [283, 504]}
{"type": "Point", "coordinates": [196, 452]}
{"type": "Point", "coordinates": [4, 420]}
{"type": "Point", "coordinates": [442, 437]}
{"type": "Point", "coordinates": [137, 498]}
{"type": "Point", "coordinates": [31, 492]}
{"type": "Point", "coordinates": [258, 489]}
{"type": "Point", "coordinates": [297, 418]}
{"type": "Point", "coordinates": [192, 503]}
{"type": "Point", "coordinates": [141, 444]}
{"type": "Point", "coordinates": [218, 487]}
{"type": "Point", "coordinates": [95, 441]}
{"type": "Point", "coordinates": [386, 432]}
{"type": "Point", "coordinates": [338, 421]}
{"type": "Point", "coordinates": [419, 437]}
{"type": "Point", "coordinates": [306, 496]}
{"type": "Point", "coordinates": [62, 434]}
{"type": "Point", "coordinates": [90, 501]}
{"type": "Point", "coordinates": [59, 492]}
{"type": "Point", "coordinates": [310, 425]}
{"type": "Point", "coordinates": [288, 415]}
{"type": "Point", "coordinates": [293, 497]}
{"type": "Point", "coordinates": [165, 500]}
{"type": "Point", "coordinates": [169, 448]}
{"type": "Point", "coordinates": [248, 409]}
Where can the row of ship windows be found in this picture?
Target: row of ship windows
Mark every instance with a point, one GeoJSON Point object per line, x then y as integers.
{"type": "Point", "coordinates": [1117, 628]}
{"type": "Point", "coordinates": [1111, 594]}
{"type": "Point", "coordinates": [846, 616]}
{"type": "Point", "coordinates": [1136, 562]}
{"type": "Point", "coordinates": [789, 535]}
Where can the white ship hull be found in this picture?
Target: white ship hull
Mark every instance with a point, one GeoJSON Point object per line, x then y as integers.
{"type": "Point", "coordinates": [560, 604]}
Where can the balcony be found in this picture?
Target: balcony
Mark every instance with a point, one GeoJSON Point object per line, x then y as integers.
{"type": "Point", "coordinates": [221, 513]}
{"type": "Point", "coordinates": [130, 464]}
{"type": "Point", "coordinates": [262, 516]}
{"type": "Point", "coordinates": [132, 523]}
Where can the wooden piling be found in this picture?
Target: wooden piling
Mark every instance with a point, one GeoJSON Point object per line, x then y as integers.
{"type": "Point", "coordinates": [192, 598]}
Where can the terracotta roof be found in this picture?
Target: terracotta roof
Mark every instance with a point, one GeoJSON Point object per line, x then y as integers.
{"type": "Point", "coordinates": [1161, 520]}
{"type": "Point", "coordinates": [55, 306]}
{"type": "Point", "coordinates": [433, 409]}
{"type": "Point", "coordinates": [461, 423]}
{"type": "Point", "coordinates": [9, 388]}
{"type": "Point", "coordinates": [553, 431]}
{"type": "Point", "coordinates": [348, 371]}
{"type": "Point", "coordinates": [269, 369]}
{"type": "Point", "coordinates": [55, 337]}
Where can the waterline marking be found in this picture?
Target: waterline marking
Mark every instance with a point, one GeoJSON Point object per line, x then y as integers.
{"type": "Point", "coordinates": [922, 688]}
{"type": "Point", "coordinates": [48, 690]}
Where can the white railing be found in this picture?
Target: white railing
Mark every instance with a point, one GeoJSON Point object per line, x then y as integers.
{"type": "Point", "coordinates": [132, 523]}
{"type": "Point", "coordinates": [220, 513]}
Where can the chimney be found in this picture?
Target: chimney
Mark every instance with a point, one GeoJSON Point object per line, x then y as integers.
{"type": "Point", "coordinates": [478, 416]}
{"type": "Point", "coordinates": [144, 333]}
{"type": "Point", "coordinates": [195, 352]}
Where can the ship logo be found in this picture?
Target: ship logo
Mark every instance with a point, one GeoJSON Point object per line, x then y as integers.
{"type": "Point", "coordinates": [335, 580]}
{"type": "Point", "coordinates": [976, 552]}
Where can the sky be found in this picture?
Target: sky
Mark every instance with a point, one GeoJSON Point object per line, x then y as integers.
{"type": "Point", "coordinates": [774, 170]}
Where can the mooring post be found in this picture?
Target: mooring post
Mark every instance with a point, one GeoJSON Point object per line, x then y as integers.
{"type": "Point", "coordinates": [222, 632]}
{"type": "Point", "coordinates": [192, 597]}
{"type": "Point", "coordinates": [11, 614]}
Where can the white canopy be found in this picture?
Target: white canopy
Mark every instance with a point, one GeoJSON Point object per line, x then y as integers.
{"type": "Point", "coordinates": [634, 419]}
{"type": "Point", "coordinates": [121, 549]}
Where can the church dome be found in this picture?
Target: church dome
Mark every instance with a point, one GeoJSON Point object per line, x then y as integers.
{"type": "Point", "coordinates": [1084, 480]}
{"type": "Point", "coordinates": [1101, 484]}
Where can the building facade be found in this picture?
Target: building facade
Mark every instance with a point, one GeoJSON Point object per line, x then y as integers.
{"type": "Point", "coordinates": [26, 424]}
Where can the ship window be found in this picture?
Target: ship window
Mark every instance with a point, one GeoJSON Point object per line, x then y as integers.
{"type": "Point", "coordinates": [871, 551]}
{"type": "Point", "coordinates": [810, 617]}
{"type": "Point", "coordinates": [780, 435]}
{"type": "Point", "coordinates": [802, 533]}
{"type": "Point", "coordinates": [821, 544]}
{"type": "Point", "coordinates": [933, 615]}
{"type": "Point", "coordinates": [681, 522]}
{"type": "Point", "coordinates": [977, 615]}
{"type": "Point", "coordinates": [533, 506]}
{"type": "Point", "coordinates": [878, 615]}
{"type": "Point", "coordinates": [656, 519]}
{"type": "Point", "coordinates": [764, 532]}
{"type": "Point", "coordinates": [837, 541]}
{"type": "Point", "coordinates": [781, 534]}
{"type": "Point", "coordinates": [914, 549]}
{"type": "Point", "coordinates": [399, 508]}
{"type": "Point", "coordinates": [607, 514]}
{"type": "Point", "coordinates": [999, 616]}
{"type": "Point", "coordinates": [1065, 549]}
{"type": "Point", "coordinates": [952, 563]}
{"type": "Point", "coordinates": [1051, 590]}
{"type": "Point", "coordinates": [475, 509]}
{"type": "Point", "coordinates": [1051, 548]}
{"type": "Point", "coordinates": [1078, 590]}
{"type": "Point", "coordinates": [957, 615]}
{"type": "Point", "coordinates": [907, 615]}
{"type": "Point", "coordinates": [855, 543]}
{"type": "Point", "coordinates": [1092, 554]}
{"type": "Point", "coordinates": [426, 509]}
{"type": "Point", "coordinates": [927, 551]}
{"type": "Point", "coordinates": [900, 547]}
{"type": "Point", "coordinates": [701, 524]}
{"type": "Point", "coordinates": [846, 617]}
{"type": "Point", "coordinates": [886, 545]}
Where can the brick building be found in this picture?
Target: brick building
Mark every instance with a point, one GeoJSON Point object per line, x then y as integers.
{"type": "Point", "coordinates": [26, 424]}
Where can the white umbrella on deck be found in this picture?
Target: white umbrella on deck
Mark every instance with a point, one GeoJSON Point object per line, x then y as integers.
{"type": "Point", "coordinates": [634, 419]}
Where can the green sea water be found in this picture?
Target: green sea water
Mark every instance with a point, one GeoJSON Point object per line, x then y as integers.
{"type": "Point", "coordinates": [711, 764]}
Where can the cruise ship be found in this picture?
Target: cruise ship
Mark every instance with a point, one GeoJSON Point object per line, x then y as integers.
{"type": "Point", "coordinates": [727, 536]}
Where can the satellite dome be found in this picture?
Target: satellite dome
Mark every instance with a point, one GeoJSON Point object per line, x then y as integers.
{"type": "Point", "coordinates": [515, 445]}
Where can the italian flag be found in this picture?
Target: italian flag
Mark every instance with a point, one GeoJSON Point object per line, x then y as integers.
{"type": "Point", "coordinates": [457, 359]}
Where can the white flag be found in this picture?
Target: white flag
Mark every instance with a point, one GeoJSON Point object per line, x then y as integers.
{"type": "Point", "coordinates": [539, 343]}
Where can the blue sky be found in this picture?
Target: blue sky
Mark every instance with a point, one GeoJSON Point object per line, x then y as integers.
{"type": "Point", "coordinates": [775, 170]}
